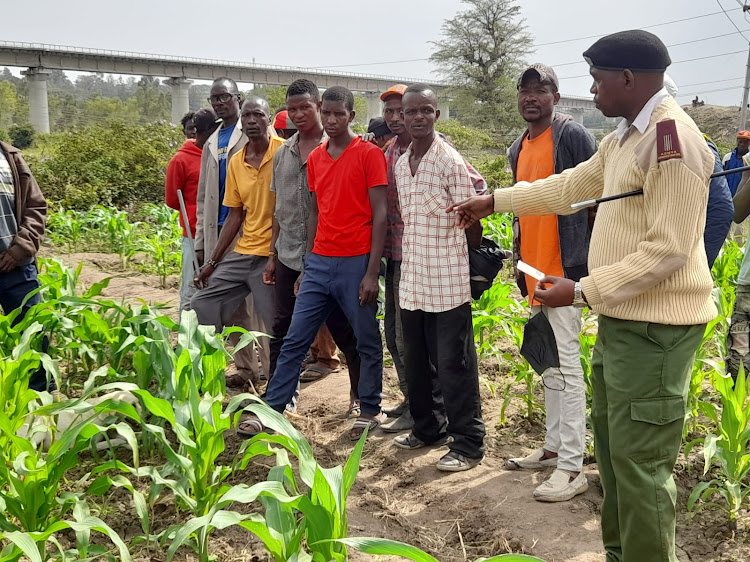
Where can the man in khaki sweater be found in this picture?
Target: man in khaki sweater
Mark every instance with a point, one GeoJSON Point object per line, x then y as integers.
{"type": "Point", "coordinates": [648, 281]}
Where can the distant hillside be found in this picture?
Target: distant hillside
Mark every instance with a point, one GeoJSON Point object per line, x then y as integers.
{"type": "Point", "coordinates": [718, 122]}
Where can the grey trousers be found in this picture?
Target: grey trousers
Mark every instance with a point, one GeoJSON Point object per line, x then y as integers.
{"type": "Point", "coordinates": [235, 277]}
{"type": "Point", "coordinates": [394, 337]}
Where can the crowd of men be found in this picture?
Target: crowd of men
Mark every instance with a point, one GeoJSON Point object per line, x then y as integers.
{"type": "Point", "coordinates": [291, 216]}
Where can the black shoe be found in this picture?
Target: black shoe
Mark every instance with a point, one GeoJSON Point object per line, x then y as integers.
{"type": "Point", "coordinates": [411, 442]}
{"type": "Point", "coordinates": [403, 423]}
{"type": "Point", "coordinates": [398, 410]}
{"type": "Point", "coordinates": [456, 462]}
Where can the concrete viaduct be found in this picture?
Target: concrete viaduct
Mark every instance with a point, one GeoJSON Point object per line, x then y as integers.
{"type": "Point", "coordinates": [38, 58]}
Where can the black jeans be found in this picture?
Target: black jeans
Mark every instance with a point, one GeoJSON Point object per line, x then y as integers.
{"type": "Point", "coordinates": [14, 286]}
{"type": "Point", "coordinates": [338, 325]}
{"type": "Point", "coordinates": [442, 344]}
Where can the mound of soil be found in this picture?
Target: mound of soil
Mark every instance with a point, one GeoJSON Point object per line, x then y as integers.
{"type": "Point", "coordinates": [718, 122]}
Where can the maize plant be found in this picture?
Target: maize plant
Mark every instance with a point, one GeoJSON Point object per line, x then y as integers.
{"type": "Point", "coordinates": [728, 448]}
{"type": "Point", "coordinates": [66, 228]}
{"type": "Point", "coordinates": [193, 472]}
{"type": "Point", "coordinates": [499, 228]}
{"type": "Point", "coordinates": [35, 460]}
{"type": "Point", "coordinates": [390, 547]}
{"type": "Point", "coordinates": [159, 237]}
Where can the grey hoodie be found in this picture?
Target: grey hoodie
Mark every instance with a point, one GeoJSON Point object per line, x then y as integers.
{"type": "Point", "coordinates": [572, 144]}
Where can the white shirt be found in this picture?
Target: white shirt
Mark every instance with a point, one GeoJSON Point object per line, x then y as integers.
{"type": "Point", "coordinates": [644, 117]}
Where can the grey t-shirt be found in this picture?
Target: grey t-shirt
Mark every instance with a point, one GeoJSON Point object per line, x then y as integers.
{"type": "Point", "coordinates": [8, 223]}
{"type": "Point", "coordinates": [293, 202]}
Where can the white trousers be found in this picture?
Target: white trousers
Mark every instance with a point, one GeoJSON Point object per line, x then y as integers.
{"type": "Point", "coordinates": [565, 390]}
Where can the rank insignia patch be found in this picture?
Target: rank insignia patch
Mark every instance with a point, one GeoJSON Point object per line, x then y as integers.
{"type": "Point", "coordinates": [667, 142]}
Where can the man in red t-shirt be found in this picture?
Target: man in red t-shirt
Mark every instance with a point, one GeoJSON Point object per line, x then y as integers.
{"type": "Point", "coordinates": [183, 172]}
{"type": "Point", "coordinates": [347, 178]}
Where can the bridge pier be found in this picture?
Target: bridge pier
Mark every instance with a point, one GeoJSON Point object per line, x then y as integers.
{"type": "Point", "coordinates": [38, 107]}
{"type": "Point", "coordinates": [576, 113]}
{"type": "Point", "coordinates": [180, 97]}
{"type": "Point", "coordinates": [444, 107]}
{"type": "Point", "coordinates": [374, 105]}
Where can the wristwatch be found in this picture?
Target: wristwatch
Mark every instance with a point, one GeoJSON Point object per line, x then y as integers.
{"type": "Point", "coordinates": [213, 263]}
{"type": "Point", "coordinates": [578, 299]}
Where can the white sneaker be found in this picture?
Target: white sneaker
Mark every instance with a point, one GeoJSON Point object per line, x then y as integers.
{"type": "Point", "coordinates": [534, 461]}
{"type": "Point", "coordinates": [559, 488]}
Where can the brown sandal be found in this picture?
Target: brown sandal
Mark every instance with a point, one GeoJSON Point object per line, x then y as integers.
{"type": "Point", "coordinates": [315, 373]}
{"type": "Point", "coordinates": [366, 422]}
{"type": "Point", "coordinates": [251, 427]}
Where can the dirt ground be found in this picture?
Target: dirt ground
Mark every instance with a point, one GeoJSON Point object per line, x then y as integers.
{"type": "Point", "coordinates": [400, 495]}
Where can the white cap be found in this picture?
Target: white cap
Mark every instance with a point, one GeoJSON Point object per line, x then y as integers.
{"type": "Point", "coordinates": [670, 86]}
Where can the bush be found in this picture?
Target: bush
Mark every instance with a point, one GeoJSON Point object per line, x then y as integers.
{"type": "Point", "coordinates": [494, 171]}
{"type": "Point", "coordinates": [116, 164]}
{"type": "Point", "coordinates": [21, 136]}
{"type": "Point", "coordinates": [466, 139]}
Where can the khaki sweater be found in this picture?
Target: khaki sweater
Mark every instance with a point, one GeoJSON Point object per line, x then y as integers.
{"type": "Point", "coordinates": [646, 260]}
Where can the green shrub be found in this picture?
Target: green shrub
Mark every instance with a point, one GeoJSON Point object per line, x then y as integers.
{"type": "Point", "coordinates": [21, 136]}
{"type": "Point", "coordinates": [466, 139]}
{"type": "Point", "coordinates": [116, 164]}
{"type": "Point", "coordinates": [493, 169]}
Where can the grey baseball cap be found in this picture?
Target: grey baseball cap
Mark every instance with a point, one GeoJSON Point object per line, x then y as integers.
{"type": "Point", "coordinates": [544, 73]}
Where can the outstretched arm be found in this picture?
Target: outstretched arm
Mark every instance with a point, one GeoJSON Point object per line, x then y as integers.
{"type": "Point", "coordinates": [551, 196]}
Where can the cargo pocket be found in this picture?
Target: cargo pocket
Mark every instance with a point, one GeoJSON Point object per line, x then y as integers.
{"type": "Point", "coordinates": [659, 431]}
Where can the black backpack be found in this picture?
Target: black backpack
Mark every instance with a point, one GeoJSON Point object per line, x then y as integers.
{"type": "Point", "coordinates": [485, 263]}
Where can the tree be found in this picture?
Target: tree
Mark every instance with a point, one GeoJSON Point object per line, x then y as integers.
{"type": "Point", "coordinates": [274, 95]}
{"type": "Point", "coordinates": [8, 103]}
{"type": "Point", "coordinates": [481, 52]}
{"type": "Point", "coordinates": [152, 103]}
{"type": "Point", "coordinates": [99, 109]}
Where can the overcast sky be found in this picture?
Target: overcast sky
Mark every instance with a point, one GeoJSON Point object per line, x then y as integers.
{"type": "Point", "coordinates": [359, 35]}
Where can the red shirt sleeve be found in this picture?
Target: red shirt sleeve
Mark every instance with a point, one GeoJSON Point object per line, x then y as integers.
{"type": "Point", "coordinates": [376, 170]}
{"type": "Point", "coordinates": [175, 181]}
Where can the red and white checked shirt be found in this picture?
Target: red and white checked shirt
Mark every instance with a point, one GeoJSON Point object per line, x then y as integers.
{"type": "Point", "coordinates": [435, 264]}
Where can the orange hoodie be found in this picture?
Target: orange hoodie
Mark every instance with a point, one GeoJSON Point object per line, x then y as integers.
{"type": "Point", "coordinates": [183, 172]}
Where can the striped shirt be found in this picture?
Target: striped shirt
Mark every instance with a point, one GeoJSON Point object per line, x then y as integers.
{"type": "Point", "coordinates": [8, 223]}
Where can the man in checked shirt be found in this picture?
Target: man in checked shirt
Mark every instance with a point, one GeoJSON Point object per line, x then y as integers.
{"type": "Point", "coordinates": [435, 296]}
{"type": "Point", "coordinates": [393, 113]}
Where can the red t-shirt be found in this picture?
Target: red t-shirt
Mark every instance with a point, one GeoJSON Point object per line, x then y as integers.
{"type": "Point", "coordinates": [341, 189]}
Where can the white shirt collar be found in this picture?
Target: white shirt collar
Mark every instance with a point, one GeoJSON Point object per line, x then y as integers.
{"type": "Point", "coordinates": [644, 117]}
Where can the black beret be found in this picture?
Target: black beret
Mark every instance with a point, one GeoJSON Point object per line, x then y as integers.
{"type": "Point", "coordinates": [636, 50]}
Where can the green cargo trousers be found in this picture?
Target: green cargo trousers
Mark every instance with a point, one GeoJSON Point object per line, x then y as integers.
{"type": "Point", "coordinates": [640, 376]}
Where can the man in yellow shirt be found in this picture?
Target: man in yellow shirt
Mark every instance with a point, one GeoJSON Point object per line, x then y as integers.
{"type": "Point", "coordinates": [228, 277]}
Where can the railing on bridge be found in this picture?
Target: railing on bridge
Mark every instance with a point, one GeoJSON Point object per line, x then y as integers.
{"type": "Point", "coordinates": [144, 57]}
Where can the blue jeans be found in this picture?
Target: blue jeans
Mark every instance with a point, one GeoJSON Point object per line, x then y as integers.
{"type": "Point", "coordinates": [14, 286]}
{"type": "Point", "coordinates": [330, 281]}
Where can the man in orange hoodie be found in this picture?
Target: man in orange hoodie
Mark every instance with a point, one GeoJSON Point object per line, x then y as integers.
{"type": "Point", "coordinates": [183, 172]}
